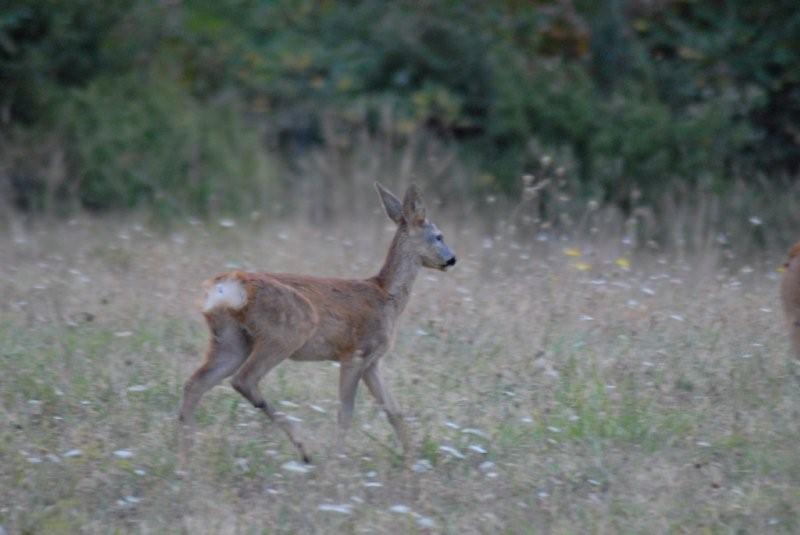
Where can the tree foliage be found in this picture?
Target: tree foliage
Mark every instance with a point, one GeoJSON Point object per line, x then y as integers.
{"type": "Point", "coordinates": [641, 96]}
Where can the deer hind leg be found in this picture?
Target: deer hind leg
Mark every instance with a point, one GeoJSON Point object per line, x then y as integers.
{"type": "Point", "coordinates": [791, 312]}
{"type": "Point", "coordinates": [794, 329]}
{"type": "Point", "coordinates": [265, 357]}
{"type": "Point", "coordinates": [228, 349]}
{"type": "Point", "coordinates": [372, 379]}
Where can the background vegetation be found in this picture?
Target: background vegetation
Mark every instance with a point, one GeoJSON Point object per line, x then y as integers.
{"type": "Point", "coordinates": [199, 107]}
{"type": "Point", "coordinates": [608, 356]}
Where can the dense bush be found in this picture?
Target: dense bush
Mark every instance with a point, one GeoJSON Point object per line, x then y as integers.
{"type": "Point", "coordinates": [146, 141]}
{"type": "Point", "coordinates": [642, 96]}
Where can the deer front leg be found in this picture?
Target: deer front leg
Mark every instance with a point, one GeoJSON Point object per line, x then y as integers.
{"type": "Point", "coordinates": [349, 376]}
{"type": "Point", "coordinates": [374, 383]}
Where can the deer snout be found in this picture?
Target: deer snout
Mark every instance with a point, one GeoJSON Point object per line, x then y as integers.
{"type": "Point", "coordinates": [451, 262]}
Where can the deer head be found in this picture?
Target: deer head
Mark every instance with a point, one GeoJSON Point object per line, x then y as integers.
{"type": "Point", "coordinates": [421, 238]}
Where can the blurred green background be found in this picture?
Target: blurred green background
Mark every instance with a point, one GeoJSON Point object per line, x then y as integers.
{"type": "Point", "coordinates": [203, 107]}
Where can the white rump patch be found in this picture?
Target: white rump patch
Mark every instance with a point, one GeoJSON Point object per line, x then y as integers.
{"type": "Point", "coordinates": [226, 293]}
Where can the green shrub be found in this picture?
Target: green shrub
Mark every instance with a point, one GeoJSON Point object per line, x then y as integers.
{"type": "Point", "coordinates": [141, 141]}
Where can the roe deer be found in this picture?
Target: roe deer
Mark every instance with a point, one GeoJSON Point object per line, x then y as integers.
{"type": "Point", "coordinates": [790, 296]}
{"type": "Point", "coordinates": [258, 320]}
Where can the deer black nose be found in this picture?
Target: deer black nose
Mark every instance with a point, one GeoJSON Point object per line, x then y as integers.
{"type": "Point", "coordinates": [451, 262]}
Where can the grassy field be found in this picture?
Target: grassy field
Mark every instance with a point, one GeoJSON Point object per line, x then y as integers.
{"type": "Point", "coordinates": [552, 387]}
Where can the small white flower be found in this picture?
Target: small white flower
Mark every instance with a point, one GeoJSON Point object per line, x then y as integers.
{"type": "Point", "coordinates": [294, 466]}
{"type": "Point", "coordinates": [123, 454]}
{"type": "Point", "coordinates": [452, 451]}
{"type": "Point", "coordinates": [477, 448]}
{"type": "Point", "coordinates": [343, 508]}
{"type": "Point", "coordinates": [422, 465]}
{"type": "Point", "coordinates": [400, 509]}
{"type": "Point", "coordinates": [424, 521]}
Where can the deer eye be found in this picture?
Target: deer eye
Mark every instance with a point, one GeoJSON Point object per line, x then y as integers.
{"type": "Point", "coordinates": [438, 237]}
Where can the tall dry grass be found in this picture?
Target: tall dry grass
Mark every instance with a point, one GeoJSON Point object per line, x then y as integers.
{"type": "Point", "coordinates": [554, 383]}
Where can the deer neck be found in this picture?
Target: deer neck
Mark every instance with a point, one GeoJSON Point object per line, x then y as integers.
{"type": "Point", "coordinates": [399, 270]}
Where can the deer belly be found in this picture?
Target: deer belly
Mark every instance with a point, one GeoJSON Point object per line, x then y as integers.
{"type": "Point", "coordinates": [315, 349]}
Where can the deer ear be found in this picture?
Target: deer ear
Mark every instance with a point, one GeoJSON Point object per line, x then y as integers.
{"type": "Point", "coordinates": [391, 204]}
{"type": "Point", "coordinates": [413, 205]}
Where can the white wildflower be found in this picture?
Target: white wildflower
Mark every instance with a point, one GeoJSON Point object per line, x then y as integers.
{"type": "Point", "coordinates": [452, 451]}
{"type": "Point", "coordinates": [343, 508]}
{"type": "Point", "coordinates": [477, 448]}
{"type": "Point", "coordinates": [400, 509]}
{"type": "Point", "coordinates": [294, 466]}
{"type": "Point", "coordinates": [422, 465]}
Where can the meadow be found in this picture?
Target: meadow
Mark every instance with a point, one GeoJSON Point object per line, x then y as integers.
{"type": "Point", "coordinates": [551, 385]}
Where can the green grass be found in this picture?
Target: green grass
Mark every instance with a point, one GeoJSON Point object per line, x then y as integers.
{"type": "Point", "coordinates": [600, 408]}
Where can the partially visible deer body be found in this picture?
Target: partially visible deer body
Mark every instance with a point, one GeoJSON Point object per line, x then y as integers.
{"type": "Point", "coordinates": [790, 296]}
{"type": "Point", "coordinates": [258, 320]}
